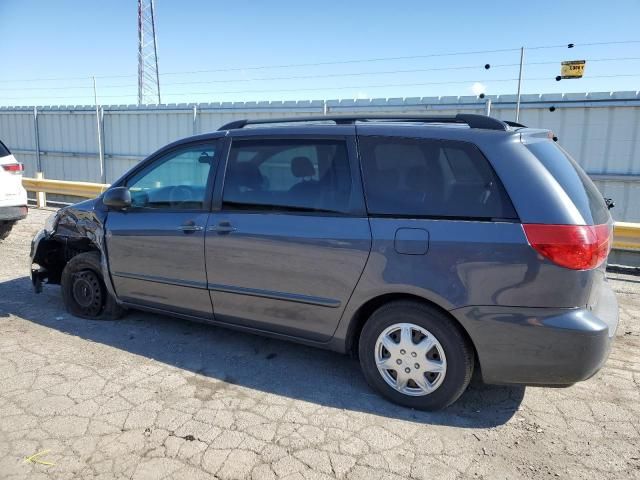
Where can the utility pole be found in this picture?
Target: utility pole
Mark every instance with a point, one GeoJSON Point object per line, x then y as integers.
{"type": "Point", "coordinates": [99, 130]}
{"type": "Point", "coordinates": [148, 78]}
{"type": "Point", "coordinates": [519, 85]}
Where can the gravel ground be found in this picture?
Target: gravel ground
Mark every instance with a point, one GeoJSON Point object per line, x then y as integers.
{"type": "Point", "coordinates": [156, 397]}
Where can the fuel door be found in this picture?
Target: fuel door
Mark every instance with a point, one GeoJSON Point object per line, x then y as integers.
{"type": "Point", "coordinates": [411, 241]}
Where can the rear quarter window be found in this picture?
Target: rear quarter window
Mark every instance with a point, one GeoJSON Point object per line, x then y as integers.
{"type": "Point", "coordinates": [408, 177]}
{"type": "Point", "coordinates": [573, 180]}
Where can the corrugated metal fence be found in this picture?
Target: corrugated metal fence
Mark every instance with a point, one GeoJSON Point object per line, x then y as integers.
{"type": "Point", "coordinates": [600, 129]}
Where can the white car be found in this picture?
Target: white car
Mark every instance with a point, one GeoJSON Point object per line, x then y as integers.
{"type": "Point", "coordinates": [13, 196]}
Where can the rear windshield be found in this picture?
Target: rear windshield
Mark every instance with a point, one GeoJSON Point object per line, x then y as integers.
{"type": "Point", "coordinates": [572, 178]}
{"type": "Point", "coordinates": [4, 151]}
{"type": "Point", "coordinates": [408, 177]}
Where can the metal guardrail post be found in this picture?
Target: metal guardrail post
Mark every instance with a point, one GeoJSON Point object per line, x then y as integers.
{"type": "Point", "coordinates": [41, 197]}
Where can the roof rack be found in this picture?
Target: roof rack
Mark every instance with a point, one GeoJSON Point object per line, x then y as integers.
{"type": "Point", "coordinates": [474, 121]}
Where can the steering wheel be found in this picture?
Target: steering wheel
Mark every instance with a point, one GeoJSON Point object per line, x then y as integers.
{"type": "Point", "coordinates": [181, 194]}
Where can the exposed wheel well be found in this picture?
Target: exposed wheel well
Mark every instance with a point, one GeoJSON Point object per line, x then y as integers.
{"type": "Point", "coordinates": [365, 311]}
{"type": "Point", "coordinates": [54, 253]}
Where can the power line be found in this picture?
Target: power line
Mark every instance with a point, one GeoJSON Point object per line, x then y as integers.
{"type": "Point", "coordinates": [335, 62]}
{"type": "Point", "coordinates": [349, 87]}
{"type": "Point", "coordinates": [294, 90]}
{"type": "Point", "coordinates": [592, 44]}
{"type": "Point", "coordinates": [330, 75]}
{"type": "Point", "coordinates": [388, 85]}
{"type": "Point", "coordinates": [293, 77]}
{"type": "Point", "coordinates": [291, 65]}
{"type": "Point", "coordinates": [353, 74]}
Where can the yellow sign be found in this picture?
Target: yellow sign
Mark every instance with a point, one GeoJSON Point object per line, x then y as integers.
{"type": "Point", "coordinates": [572, 69]}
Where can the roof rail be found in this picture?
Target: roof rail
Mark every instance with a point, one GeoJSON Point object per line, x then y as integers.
{"type": "Point", "coordinates": [474, 121]}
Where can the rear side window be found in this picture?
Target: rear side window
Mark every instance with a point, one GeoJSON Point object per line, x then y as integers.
{"type": "Point", "coordinates": [293, 175]}
{"type": "Point", "coordinates": [431, 178]}
{"type": "Point", "coordinates": [574, 181]}
{"type": "Point", "coordinates": [4, 151]}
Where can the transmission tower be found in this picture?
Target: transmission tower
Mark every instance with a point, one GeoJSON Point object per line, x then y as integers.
{"type": "Point", "coordinates": [148, 80]}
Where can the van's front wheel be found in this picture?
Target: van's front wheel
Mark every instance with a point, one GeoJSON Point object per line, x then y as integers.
{"type": "Point", "coordinates": [83, 290]}
{"type": "Point", "coordinates": [415, 355]}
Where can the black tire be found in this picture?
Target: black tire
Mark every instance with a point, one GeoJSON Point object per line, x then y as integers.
{"type": "Point", "coordinates": [83, 290]}
{"type": "Point", "coordinates": [5, 229]}
{"type": "Point", "coordinates": [457, 350]}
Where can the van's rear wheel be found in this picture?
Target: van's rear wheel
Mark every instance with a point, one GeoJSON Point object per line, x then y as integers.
{"type": "Point", "coordinates": [83, 290]}
{"type": "Point", "coordinates": [415, 355]}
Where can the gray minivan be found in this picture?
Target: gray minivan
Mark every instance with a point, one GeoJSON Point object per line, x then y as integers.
{"type": "Point", "coordinates": [426, 246]}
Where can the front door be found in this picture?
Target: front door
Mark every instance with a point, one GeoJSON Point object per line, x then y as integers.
{"type": "Point", "coordinates": [156, 248]}
{"type": "Point", "coordinates": [288, 246]}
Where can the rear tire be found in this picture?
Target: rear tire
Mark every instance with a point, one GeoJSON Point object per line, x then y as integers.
{"type": "Point", "coordinates": [430, 370]}
{"type": "Point", "coordinates": [5, 229]}
{"type": "Point", "coordinates": [84, 292]}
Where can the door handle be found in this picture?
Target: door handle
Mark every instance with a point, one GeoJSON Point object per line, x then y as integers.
{"type": "Point", "coordinates": [190, 227]}
{"type": "Point", "coordinates": [222, 228]}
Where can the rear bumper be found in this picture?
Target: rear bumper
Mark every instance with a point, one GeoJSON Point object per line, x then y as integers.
{"type": "Point", "coordinates": [541, 346]}
{"type": "Point", "coordinates": [13, 213]}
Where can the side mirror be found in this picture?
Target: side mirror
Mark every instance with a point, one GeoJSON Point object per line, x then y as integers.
{"type": "Point", "coordinates": [118, 198]}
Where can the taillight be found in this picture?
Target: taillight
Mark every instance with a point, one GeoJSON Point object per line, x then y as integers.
{"type": "Point", "coordinates": [579, 247]}
{"type": "Point", "coordinates": [13, 167]}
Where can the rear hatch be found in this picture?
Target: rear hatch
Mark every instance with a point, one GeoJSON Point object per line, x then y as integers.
{"type": "Point", "coordinates": [583, 246]}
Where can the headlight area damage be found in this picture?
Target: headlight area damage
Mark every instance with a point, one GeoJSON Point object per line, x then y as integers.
{"type": "Point", "coordinates": [75, 229]}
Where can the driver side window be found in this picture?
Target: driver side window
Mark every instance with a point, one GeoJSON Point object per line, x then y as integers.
{"type": "Point", "coordinates": [175, 181]}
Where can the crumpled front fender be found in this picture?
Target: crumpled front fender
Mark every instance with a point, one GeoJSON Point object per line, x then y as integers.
{"type": "Point", "coordinates": [77, 228]}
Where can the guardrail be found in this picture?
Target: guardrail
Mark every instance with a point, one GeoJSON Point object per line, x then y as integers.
{"type": "Point", "coordinates": [626, 236]}
{"type": "Point", "coordinates": [42, 186]}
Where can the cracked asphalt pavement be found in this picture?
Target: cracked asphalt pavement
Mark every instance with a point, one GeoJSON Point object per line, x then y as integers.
{"type": "Point", "coordinates": [150, 396]}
